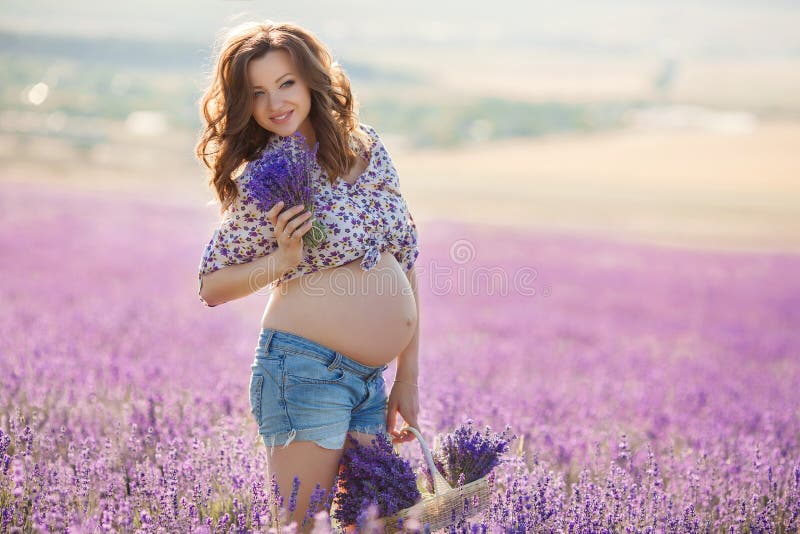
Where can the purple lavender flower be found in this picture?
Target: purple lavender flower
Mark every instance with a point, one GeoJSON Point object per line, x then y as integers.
{"type": "Point", "coordinates": [464, 455]}
{"type": "Point", "coordinates": [374, 475]}
{"type": "Point", "coordinates": [284, 174]}
{"type": "Point", "coordinates": [293, 496]}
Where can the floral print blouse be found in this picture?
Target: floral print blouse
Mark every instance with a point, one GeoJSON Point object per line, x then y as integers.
{"type": "Point", "coordinates": [360, 219]}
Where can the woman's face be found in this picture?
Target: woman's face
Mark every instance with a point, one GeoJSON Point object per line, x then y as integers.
{"type": "Point", "coordinates": [281, 98]}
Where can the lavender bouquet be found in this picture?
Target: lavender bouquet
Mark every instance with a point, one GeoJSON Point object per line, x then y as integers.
{"type": "Point", "coordinates": [464, 455]}
{"type": "Point", "coordinates": [284, 175]}
{"type": "Point", "coordinates": [374, 475]}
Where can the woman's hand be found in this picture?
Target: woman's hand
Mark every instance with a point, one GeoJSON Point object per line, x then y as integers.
{"type": "Point", "coordinates": [289, 230]}
{"type": "Point", "coordinates": [404, 399]}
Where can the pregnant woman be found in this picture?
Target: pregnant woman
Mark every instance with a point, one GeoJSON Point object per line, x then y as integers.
{"type": "Point", "coordinates": [339, 312]}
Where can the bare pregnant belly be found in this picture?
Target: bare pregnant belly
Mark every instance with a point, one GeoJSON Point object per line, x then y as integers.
{"type": "Point", "coordinates": [369, 316]}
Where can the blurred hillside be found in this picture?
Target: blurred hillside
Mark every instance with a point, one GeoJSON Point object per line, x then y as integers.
{"type": "Point", "coordinates": [521, 69]}
{"type": "Point", "coordinates": [50, 81]}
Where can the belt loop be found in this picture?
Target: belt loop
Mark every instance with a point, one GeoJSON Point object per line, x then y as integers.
{"type": "Point", "coordinates": [335, 363]}
{"type": "Point", "coordinates": [269, 341]}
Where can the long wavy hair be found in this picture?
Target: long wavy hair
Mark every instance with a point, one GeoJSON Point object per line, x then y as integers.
{"type": "Point", "coordinates": [231, 136]}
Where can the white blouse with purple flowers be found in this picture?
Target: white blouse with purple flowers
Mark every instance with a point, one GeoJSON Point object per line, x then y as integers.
{"type": "Point", "coordinates": [360, 219]}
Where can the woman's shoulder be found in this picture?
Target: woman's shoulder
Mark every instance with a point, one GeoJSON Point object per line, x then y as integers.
{"type": "Point", "coordinates": [368, 133]}
{"type": "Point", "coordinates": [370, 138]}
{"type": "Point", "coordinates": [367, 128]}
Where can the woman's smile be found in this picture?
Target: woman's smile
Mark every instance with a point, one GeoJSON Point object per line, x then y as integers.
{"type": "Point", "coordinates": [281, 119]}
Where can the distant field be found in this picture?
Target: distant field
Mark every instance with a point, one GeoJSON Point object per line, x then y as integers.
{"type": "Point", "coordinates": [690, 188]}
{"type": "Point", "coordinates": [767, 84]}
{"type": "Point", "coordinates": [695, 188]}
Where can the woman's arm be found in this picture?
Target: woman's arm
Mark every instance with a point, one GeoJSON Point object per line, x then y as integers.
{"type": "Point", "coordinates": [408, 360]}
{"type": "Point", "coordinates": [244, 256]}
{"type": "Point", "coordinates": [404, 397]}
{"type": "Point", "coordinates": [237, 281]}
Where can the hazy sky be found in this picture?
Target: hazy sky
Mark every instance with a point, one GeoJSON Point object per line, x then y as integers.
{"type": "Point", "coordinates": [599, 26]}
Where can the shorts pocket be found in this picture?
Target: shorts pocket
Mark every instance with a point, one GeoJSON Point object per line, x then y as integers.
{"type": "Point", "coordinates": [256, 388]}
{"type": "Point", "coordinates": [307, 370]}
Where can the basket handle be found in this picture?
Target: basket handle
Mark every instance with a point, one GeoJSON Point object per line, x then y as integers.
{"type": "Point", "coordinates": [440, 485]}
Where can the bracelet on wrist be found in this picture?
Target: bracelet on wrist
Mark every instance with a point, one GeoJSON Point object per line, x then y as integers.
{"type": "Point", "coordinates": [409, 383]}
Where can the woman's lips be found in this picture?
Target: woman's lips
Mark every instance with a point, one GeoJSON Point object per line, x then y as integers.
{"type": "Point", "coordinates": [285, 118]}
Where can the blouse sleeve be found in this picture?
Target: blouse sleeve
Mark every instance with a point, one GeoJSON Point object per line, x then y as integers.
{"type": "Point", "coordinates": [404, 229]}
{"type": "Point", "coordinates": [244, 234]}
{"type": "Point", "coordinates": [409, 249]}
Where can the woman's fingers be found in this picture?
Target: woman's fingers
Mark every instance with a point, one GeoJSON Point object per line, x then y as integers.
{"type": "Point", "coordinates": [287, 214]}
{"type": "Point", "coordinates": [298, 221]}
{"type": "Point", "coordinates": [275, 209]}
{"type": "Point", "coordinates": [298, 234]}
{"type": "Point", "coordinates": [281, 221]}
{"type": "Point", "coordinates": [273, 212]}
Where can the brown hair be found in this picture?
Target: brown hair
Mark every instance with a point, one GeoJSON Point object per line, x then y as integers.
{"type": "Point", "coordinates": [231, 136]}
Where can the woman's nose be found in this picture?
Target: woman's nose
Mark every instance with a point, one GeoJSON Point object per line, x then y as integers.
{"type": "Point", "coordinates": [273, 101]}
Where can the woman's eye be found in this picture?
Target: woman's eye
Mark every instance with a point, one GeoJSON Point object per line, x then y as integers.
{"type": "Point", "coordinates": [289, 82]}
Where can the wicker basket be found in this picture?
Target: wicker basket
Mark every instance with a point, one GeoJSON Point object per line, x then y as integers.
{"type": "Point", "coordinates": [437, 509]}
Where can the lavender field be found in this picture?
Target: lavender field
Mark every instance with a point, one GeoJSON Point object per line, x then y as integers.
{"type": "Point", "coordinates": [652, 389]}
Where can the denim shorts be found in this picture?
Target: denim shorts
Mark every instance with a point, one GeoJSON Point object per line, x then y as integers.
{"type": "Point", "coordinates": [302, 390]}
